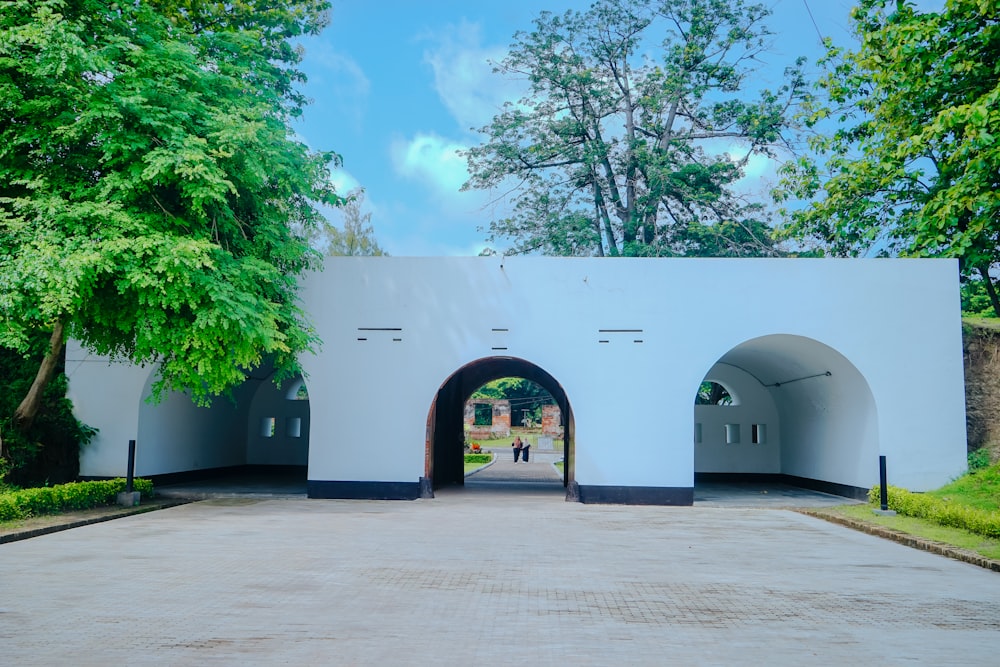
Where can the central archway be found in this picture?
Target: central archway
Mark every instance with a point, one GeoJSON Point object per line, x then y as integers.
{"type": "Point", "coordinates": [443, 457]}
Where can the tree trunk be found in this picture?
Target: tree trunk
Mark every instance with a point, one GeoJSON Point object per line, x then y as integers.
{"type": "Point", "coordinates": [25, 414]}
{"type": "Point", "coordinates": [990, 289]}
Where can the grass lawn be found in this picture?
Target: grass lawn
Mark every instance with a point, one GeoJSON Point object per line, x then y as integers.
{"type": "Point", "coordinates": [469, 467]}
{"type": "Point", "coordinates": [920, 528]}
{"type": "Point", "coordinates": [980, 490]}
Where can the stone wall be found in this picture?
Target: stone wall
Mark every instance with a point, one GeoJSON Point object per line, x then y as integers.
{"type": "Point", "coordinates": [981, 347]}
{"type": "Point", "coordinates": [552, 421]}
{"type": "Point", "coordinates": [498, 428]}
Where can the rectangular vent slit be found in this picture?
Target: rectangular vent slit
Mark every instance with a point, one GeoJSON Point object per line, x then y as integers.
{"type": "Point", "coordinates": [603, 341]}
{"type": "Point", "coordinates": [501, 329]}
{"type": "Point", "coordinates": [498, 348]}
{"type": "Point", "coordinates": [380, 328]}
{"type": "Point", "coordinates": [397, 340]}
{"type": "Point", "coordinates": [362, 339]}
{"type": "Point", "coordinates": [619, 331]}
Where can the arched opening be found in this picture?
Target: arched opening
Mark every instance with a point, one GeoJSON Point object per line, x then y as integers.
{"type": "Point", "coordinates": [446, 437]}
{"type": "Point", "coordinates": [801, 413]}
{"type": "Point", "coordinates": [260, 434]}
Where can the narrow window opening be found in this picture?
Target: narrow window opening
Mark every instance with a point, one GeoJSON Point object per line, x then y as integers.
{"type": "Point", "coordinates": [294, 427]}
{"type": "Point", "coordinates": [267, 427]}
{"type": "Point", "coordinates": [484, 415]}
{"type": "Point", "coordinates": [758, 434]}
{"type": "Point", "coordinates": [697, 432]}
{"type": "Point", "coordinates": [732, 434]}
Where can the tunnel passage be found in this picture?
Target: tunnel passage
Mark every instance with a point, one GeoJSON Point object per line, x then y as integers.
{"type": "Point", "coordinates": [263, 430]}
{"type": "Point", "coordinates": [794, 410]}
{"type": "Point", "coordinates": [444, 456]}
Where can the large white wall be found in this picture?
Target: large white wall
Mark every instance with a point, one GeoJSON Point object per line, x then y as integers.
{"type": "Point", "coordinates": [105, 396]}
{"type": "Point", "coordinates": [688, 314]}
{"type": "Point", "coordinates": [629, 341]}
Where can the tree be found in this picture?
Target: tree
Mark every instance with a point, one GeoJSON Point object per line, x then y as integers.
{"type": "Point", "coordinates": [357, 238]}
{"type": "Point", "coordinates": [525, 396]}
{"type": "Point", "coordinates": [51, 453]}
{"type": "Point", "coordinates": [914, 166]}
{"type": "Point", "coordinates": [149, 185]}
{"type": "Point", "coordinates": [624, 144]}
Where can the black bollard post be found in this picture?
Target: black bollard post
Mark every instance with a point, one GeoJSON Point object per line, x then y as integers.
{"type": "Point", "coordinates": [130, 474]}
{"type": "Point", "coordinates": [882, 483]}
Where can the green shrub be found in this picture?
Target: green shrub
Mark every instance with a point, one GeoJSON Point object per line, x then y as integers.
{"type": "Point", "coordinates": [49, 452]}
{"type": "Point", "coordinates": [979, 459]}
{"type": "Point", "coordinates": [478, 458]}
{"type": "Point", "coordinates": [26, 503]}
{"type": "Point", "coordinates": [939, 511]}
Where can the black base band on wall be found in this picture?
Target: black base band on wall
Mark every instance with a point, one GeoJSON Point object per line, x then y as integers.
{"type": "Point", "coordinates": [363, 490]}
{"type": "Point", "coordinates": [636, 495]}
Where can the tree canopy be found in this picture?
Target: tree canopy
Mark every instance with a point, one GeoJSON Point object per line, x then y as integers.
{"type": "Point", "coordinates": [640, 117]}
{"type": "Point", "coordinates": [526, 397]}
{"type": "Point", "coordinates": [913, 167]}
{"type": "Point", "coordinates": [357, 238]}
{"type": "Point", "coordinates": [153, 200]}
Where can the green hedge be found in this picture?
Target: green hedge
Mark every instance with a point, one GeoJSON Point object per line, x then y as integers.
{"type": "Point", "coordinates": [478, 458]}
{"type": "Point", "coordinates": [939, 511]}
{"type": "Point", "coordinates": [27, 503]}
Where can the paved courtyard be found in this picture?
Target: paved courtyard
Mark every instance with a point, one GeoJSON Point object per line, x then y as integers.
{"type": "Point", "coordinates": [487, 575]}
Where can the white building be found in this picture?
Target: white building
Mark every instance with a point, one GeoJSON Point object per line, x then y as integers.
{"type": "Point", "coordinates": [830, 364]}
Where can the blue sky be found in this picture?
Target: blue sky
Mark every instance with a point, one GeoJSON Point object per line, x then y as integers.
{"type": "Point", "coordinates": [396, 86]}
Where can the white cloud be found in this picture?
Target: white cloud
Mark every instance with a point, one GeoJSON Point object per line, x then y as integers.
{"type": "Point", "coordinates": [343, 181]}
{"type": "Point", "coordinates": [432, 160]}
{"type": "Point", "coordinates": [463, 75]}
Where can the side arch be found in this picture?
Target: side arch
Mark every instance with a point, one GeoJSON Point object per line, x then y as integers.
{"type": "Point", "coordinates": [806, 413]}
{"type": "Point", "coordinates": [178, 438]}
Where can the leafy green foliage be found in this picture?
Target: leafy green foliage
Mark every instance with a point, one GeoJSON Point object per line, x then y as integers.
{"type": "Point", "coordinates": [712, 393]}
{"type": "Point", "coordinates": [152, 196]}
{"type": "Point", "coordinates": [50, 449]}
{"type": "Point", "coordinates": [914, 164]}
{"type": "Point", "coordinates": [478, 458]}
{"type": "Point", "coordinates": [26, 503]}
{"type": "Point", "coordinates": [940, 511]}
{"type": "Point", "coordinates": [975, 299]}
{"type": "Point", "coordinates": [979, 459]}
{"type": "Point", "coordinates": [526, 398]}
{"type": "Point", "coordinates": [639, 120]}
{"type": "Point", "coordinates": [357, 238]}
{"type": "Point", "coordinates": [483, 414]}
{"type": "Point", "coordinates": [922, 528]}
{"type": "Point", "coordinates": [980, 488]}
{"type": "Point", "coordinates": [509, 387]}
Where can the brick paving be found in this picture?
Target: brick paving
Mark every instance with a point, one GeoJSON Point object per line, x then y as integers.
{"type": "Point", "coordinates": [491, 574]}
